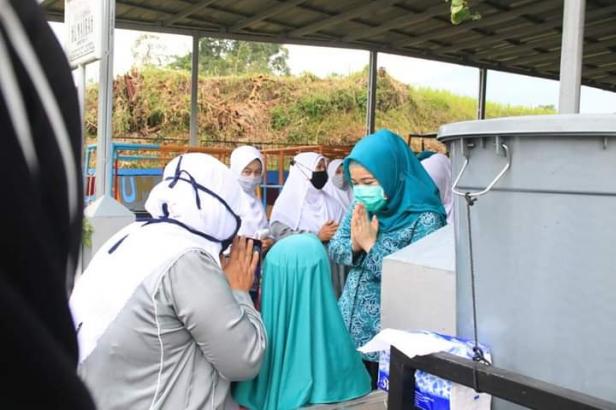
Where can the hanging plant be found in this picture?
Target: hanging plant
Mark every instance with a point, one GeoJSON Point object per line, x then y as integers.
{"type": "Point", "coordinates": [461, 11]}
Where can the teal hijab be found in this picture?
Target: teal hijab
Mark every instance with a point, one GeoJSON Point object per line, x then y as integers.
{"type": "Point", "coordinates": [310, 357]}
{"type": "Point", "coordinates": [409, 189]}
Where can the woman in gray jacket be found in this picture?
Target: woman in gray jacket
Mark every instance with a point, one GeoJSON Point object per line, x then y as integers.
{"type": "Point", "coordinates": [161, 324]}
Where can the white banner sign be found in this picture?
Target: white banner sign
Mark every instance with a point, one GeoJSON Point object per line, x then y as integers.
{"type": "Point", "coordinates": [84, 22]}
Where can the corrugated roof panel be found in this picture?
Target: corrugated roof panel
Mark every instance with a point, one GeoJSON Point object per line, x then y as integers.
{"type": "Point", "coordinates": [520, 36]}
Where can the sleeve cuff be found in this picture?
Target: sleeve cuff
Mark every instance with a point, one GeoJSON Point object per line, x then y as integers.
{"type": "Point", "coordinates": [358, 257]}
{"type": "Point", "coordinates": [243, 298]}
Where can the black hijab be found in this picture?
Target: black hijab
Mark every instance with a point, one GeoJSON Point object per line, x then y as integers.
{"type": "Point", "coordinates": [40, 228]}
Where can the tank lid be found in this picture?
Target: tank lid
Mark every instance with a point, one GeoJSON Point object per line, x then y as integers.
{"type": "Point", "coordinates": [570, 124]}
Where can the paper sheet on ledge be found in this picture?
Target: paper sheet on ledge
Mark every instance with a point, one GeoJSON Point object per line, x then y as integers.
{"type": "Point", "coordinates": [411, 344]}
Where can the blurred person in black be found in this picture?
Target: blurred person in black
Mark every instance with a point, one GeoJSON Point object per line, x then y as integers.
{"type": "Point", "coordinates": [41, 214]}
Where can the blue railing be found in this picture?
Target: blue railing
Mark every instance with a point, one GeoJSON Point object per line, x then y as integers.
{"type": "Point", "coordinates": [132, 185]}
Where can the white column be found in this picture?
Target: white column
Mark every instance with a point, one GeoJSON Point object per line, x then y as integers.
{"type": "Point", "coordinates": [81, 94]}
{"type": "Point", "coordinates": [106, 215]}
{"type": "Point", "coordinates": [105, 99]}
{"type": "Point", "coordinates": [571, 56]}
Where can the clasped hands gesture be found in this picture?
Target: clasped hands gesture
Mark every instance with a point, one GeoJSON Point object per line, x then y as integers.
{"type": "Point", "coordinates": [241, 264]}
{"type": "Point", "coordinates": [363, 231]}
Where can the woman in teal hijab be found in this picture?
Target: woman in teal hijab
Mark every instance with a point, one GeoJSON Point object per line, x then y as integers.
{"type": "Point", "coordinates": [310, 357]}
{"type": "Point", "coordinates": [396, 203]}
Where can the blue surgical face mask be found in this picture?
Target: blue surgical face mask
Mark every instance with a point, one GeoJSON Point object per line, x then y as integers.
{"type": "Point", "coordinates": [372, 196]}
{"type": "Point", "coordinates": [249, 183]}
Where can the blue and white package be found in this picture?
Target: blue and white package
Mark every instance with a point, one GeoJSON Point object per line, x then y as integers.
{"type": "Point", "coordinates": [434, 393]}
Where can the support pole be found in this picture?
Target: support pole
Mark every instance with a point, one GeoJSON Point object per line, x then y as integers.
{"type": "Point", "coordinates": [105, 99]}
{"type": "Point", "coordinates": [81, 95]}
{"type": "Point", "coordinates": [481, 99]}
{"type": "Point", "coordinates": [371, 106]}
{"type": "Point", "coordinates": [194, 92]}
{"type": "Point", "coordinates": [571, 56]}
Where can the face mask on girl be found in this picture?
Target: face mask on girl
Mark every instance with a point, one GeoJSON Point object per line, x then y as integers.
{"type": "Point", "coordinates": [339, 181]}
{"type": "Point", "coordinates": [249, 183]}
{"type": "Point", "coordinates": [372, 196]}
{"type": "Point", "coordinates": [319, 179]}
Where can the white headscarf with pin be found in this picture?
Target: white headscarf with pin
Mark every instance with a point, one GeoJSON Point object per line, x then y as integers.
{"type": "Point", "coordinates": [185, 217]}
{"type": "Point", "coordinates": [253, 213]}
{"type": "Point", "coordinates": [337, 187]}
{"type": "Point", "coordinates": [300, 205]}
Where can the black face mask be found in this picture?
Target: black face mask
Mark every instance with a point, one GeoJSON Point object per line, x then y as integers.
{"type": "Point", "coordinates": [319, 179]}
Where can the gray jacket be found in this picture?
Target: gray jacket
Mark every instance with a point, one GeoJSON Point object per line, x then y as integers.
{"type": "Point", "coordinates": [178, 343]}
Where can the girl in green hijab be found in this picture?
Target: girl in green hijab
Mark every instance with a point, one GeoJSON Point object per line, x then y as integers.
{"type": "Point", "coordinates": [310, 358]}
{"type": "Point", "coordinates": [396, 203]}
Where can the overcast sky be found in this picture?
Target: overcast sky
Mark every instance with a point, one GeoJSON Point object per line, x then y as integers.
{"type": "Point", "coordinates": [502, 87]}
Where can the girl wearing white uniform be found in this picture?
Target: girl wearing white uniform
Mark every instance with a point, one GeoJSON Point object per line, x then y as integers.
{"type": "Point", "coordinates": [248, 166]}
{"type": "Point", "coordinates": [438, 166]}
{"type": "Point", "coordinates": [337, 186]}
{"type": "Point", "coordinates": [303, 205]}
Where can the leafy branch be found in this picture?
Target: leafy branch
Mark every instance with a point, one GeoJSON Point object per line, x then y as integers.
{"type": "Point", "coordinates": [461, 11]}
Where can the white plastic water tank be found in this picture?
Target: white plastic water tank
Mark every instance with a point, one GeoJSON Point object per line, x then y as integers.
{"type": "Point", "coordinates": [418, 285]}
{"type": "Point", "coordinates": [544, 245]}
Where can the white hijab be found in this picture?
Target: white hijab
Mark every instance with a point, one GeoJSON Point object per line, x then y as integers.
{"type": "Point", "coordinates": [252, 213]}
{"type": "Point", "coordinates": [438, 166]}
{"type": "Point", "coordinates": [142, 251]}
{"type": "Point", "coordinates": [344, 196]}
{"type": "Point", "coordinates": [213, 219]}
{"type": "Point", "coordinates": [300, 205]}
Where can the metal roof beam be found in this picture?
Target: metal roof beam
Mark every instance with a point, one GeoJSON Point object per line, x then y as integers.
{"type": "Point", "coordinates": [551, 40]}
{"type": "Point", "coordinates": [139, 6]}
{"type": "Point", "coordinates": [553, 23]}
{"type": "Point", "coordinates": [143, 7]}
{"type": "Point", "coordinates": [187, 12]}
{"type": "Point", "coordinates": [499, 17]}
{"type": "Point", "coordinates": [606, 78]}
{"type": "Point", "coordinates": [589, 48]}
{"type": "Point", "coordinates": [594, 69]}
{"type": "Point", "coordinates": [499, 36]}
{"type": "Point", "coordinates": [398, 22]}
{"type": "Point", "coordinates": [276, 8]}
{"type": "Point", "coordinates": [238, 15]}
{"type": "Point", "coordinates": [345, 16]}
{"type": "Point", "coordinates": [480, 37]}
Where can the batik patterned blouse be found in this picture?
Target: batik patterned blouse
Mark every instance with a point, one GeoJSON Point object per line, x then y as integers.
{"type": "Point", "coordinates": [360, 302]}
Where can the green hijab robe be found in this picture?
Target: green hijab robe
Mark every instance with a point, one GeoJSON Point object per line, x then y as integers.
{"type": "Point", "coordinates": [310, 357]}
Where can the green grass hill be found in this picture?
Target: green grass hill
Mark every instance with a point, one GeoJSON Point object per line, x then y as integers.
{"type": "Point", "coordinates": [153, 105]}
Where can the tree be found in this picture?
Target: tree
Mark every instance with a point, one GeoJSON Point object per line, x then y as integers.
{"type": "Point", "coordinates": [149, 49]}
{"type": "Point", "coordinates": [226, 57]}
